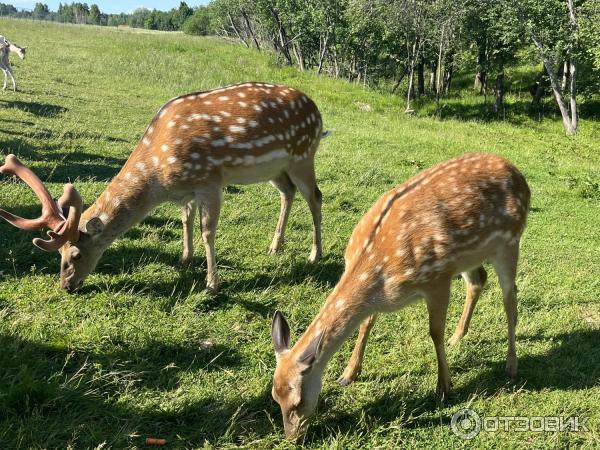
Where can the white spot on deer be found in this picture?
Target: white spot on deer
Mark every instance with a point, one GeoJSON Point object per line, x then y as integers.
{"type": "Point", "coordinates": [286, 113]}
{"type": "Point", "coordinates": [185, 127]}
{"type": "Point", "coordinates": [225, 114]}
{"type": "Point", "coordinates": [217, 129]}
{"type": "Point", "coordinates": [236, 129]}
{"type": "Point", "coordinates": [155, 161]}
{"type": "Point", "coordinates": [243, 104]}
{"type": "Point", "coordinates": [141, 166]}
{"type": "Point", "coordinates": [171, 124]}
{"type": "Point", "coordinates": [257, 108]}
{"type": "Point", "coordinates": [216, 118]}
{"type": "Point", "coordinates": [223, 98]}
{"type": "Point", "coordinates": [241, 95]}
{"type": "Point", "coordinates": [146, 142]}
{"type": "Point", "coordinates": [187, 165]}
{"type": "Point", "coordinates": [116, 202]}
{"type": "Point", "coordinates": [253, 123]}
{"type": "Point", "coordinates": [363, 276]}
{"type": "Point", "coordinates": [179, 100]}
{"type": "Point", "coordinates": [164, 147]}
{"type": "Point", "coordinates": [171, 160]}
{"type": "Point", "coordinates": [218, 143]}
{"type": "Point", "coordinates": [178, 141]}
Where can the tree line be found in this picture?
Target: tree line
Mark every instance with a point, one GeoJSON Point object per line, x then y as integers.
{"type": "Point", "coordinates": [84, 14]}
{"type": "Point", "coordinates": [417, 46]}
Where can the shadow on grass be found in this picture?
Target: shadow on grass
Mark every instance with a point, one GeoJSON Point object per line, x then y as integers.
{"type": "Point", "coordinates": [573, 364]}
{"type": "Point", "coordinates": [73, 388]}
{"type": "Point", "coordinates": [35, 108]}
{"type": "Point", "coordinates": [60, 166]}
{"type": "Point", "coordinates": [44, 133]}
{"type": "Point", "coordinates": [68, 388]}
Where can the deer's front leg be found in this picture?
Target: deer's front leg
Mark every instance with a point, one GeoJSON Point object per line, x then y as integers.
{"type": "Point", "coordinates": [210, 208]}
{"type": "Point", "coordinates": [5, 80]}
{"type": "Point", "coordinates": [437, 299]}
{"type": "Point", "coordinates": [354, 366]}
{"type": "Point", "coordinates": [13, 80]}
{"type": "Point", "coordinates": [188, 213]}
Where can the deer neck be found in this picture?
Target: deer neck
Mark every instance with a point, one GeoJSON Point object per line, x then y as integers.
{"type": "Point", "coordinates": [345, 308]}
{"type": "Point", "coordinates": [124, 203]}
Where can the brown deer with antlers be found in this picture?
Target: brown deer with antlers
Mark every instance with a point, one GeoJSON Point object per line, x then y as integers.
{"type": "Point", "coordinates": [195, 145]}
{"type": "Point", "coordinates": [447, 220]}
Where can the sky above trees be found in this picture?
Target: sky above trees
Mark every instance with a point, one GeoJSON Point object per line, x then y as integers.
{"type": "Point", "coordinates": [115, 6]}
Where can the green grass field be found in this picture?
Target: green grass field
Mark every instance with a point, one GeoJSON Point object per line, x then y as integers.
{"type": "Point", "coordinates": [144, 351]}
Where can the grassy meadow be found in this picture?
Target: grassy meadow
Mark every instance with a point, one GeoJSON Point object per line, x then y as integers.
{"type": "Point", "coordinates": [144, 351]}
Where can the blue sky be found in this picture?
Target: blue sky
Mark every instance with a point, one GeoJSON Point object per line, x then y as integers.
{"type": "Point", "coordinates": [111, 6]}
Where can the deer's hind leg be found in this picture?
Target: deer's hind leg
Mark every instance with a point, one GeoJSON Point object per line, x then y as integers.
{"type": "Point", "coordinates": [437, 299]}
{"type": "Point", "coordinates": [188, 214]}
{"type": "Point", "coordinates": [475, 280]}
{"type": "Point", "coordinates": [304, 178]}
{"type": "Point", "coordinates": [287, 191]}
{"type": "Point", "coordinates": [209, 202]}
{"type": "Point", "coordinates": [505, 263]}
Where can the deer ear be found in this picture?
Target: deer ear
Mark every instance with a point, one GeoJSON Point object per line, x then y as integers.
{"type": "Point", "coordinates": [280, 333]}
{"type": "Point", "coordinates": [311, 353]}
{"type": "Point", "coordinates": [94, 226]}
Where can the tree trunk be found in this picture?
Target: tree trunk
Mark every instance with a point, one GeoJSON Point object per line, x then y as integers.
{"type": "Point", "coordinates": [324, 46]}
{"type": "Point", "coordinates": [432, 86]}
{"type": "Point", "coordinates": [397, 85]}
{"type": "Point", "coordinates": [574, 115]}
{"type": "Point", "coordinates": [249, 26]}
{"type": "Point", "coordinates": [538, 89]}
{"type": "Point", "coordinates": [438, 83]}
{"type": "Point", "coordinates": [480, 76]}
{"type": "Point", "coordinates": [564, 74]}
{"type": "Point", "coordinates": [409, 92]}
{"type": "Point", "coordinates": [448, 78]}
{"type": "Point", "coordinates": [421, 78]}
{"type": "Point", "coordinates": [237, 32]}
{"type": "Point", "coordinates": [573, 68]}
{"type": "Point", "coordinates": [499, 89]}
{"type": "Point", "coordinates": [555, 84]}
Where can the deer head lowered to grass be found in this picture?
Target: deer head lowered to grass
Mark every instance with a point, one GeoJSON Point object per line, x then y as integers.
{"type": "Point", "coordinates": [447, 220]}
{"type": "Point", "coordinates": [195, 145]}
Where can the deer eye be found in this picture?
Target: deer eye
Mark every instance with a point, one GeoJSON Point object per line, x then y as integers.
{"type": "Point", "coordinates": [76, 256]}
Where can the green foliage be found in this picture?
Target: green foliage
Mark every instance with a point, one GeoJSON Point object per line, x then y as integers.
{"type": "Point", "coordinates": [199, 23]}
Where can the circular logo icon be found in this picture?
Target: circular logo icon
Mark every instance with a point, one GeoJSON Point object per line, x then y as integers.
{"type": "Point", "coordinates": [466, 423]}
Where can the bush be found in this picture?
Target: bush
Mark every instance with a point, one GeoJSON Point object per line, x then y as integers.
{"type": "Point", "coordinates": [197, 24]}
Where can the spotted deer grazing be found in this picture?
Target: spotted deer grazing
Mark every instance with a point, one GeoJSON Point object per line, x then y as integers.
{"type": "Point", "coordinates": [195, 145]}
{"type": "Point", "coordinates": [5, 48]}
{"type": "Point", "coordinates": [447, 220]}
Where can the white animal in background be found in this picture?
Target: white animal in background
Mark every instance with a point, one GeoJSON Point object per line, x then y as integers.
{"type": "Point", "coordinates": [5, 48]}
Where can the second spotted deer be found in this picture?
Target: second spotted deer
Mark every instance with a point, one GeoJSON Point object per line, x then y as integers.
{"type": "Point", "coordinates": [447, 220]}
{"type": "Point", "coordinates": [196, 145]}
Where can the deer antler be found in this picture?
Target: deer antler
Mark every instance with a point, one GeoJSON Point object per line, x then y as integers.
{"type": "Point", "coordinates": [61, 229]}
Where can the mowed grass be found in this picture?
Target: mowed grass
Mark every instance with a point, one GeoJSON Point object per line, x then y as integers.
{"type": "Point", "coordinates": [143, 351]}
